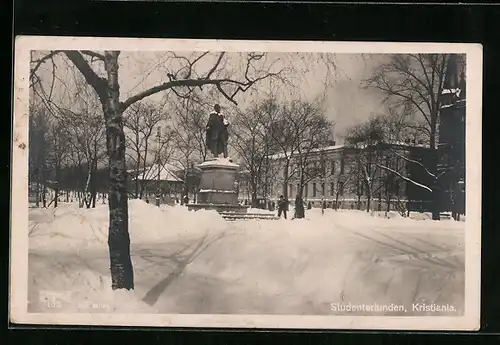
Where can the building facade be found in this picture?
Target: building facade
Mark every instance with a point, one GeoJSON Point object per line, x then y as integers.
{"type": "Point", "coordinates": [374, 178]}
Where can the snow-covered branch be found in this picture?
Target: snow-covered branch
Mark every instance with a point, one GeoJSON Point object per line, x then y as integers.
{"type": "Point", "coordinates": [404, 177]}
{"type": "Point", "coordinates": [415, 162]}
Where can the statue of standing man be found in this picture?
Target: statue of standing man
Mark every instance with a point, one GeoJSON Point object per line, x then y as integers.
{"type": "Point", "coordinates": [217, 133]}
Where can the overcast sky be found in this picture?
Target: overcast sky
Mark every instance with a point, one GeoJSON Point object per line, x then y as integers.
{"type": "Point", "coordinates": [346, 102]}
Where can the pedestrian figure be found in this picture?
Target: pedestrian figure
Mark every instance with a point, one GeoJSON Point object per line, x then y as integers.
{"type": "Point", "coordinates": [282, 206]}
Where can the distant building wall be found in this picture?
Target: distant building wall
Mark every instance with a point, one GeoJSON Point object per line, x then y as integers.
{"type": "Point", "coordinates": [342, 184]}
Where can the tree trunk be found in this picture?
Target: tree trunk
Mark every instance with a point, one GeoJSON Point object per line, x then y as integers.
{"type": "Point", "coordinates": [368, 201]}
{"type": "Point", "coordinates": [436, 207]}
{"type": "Point", "coordinates": [285, 183]}
{"type": "Point", "coordinates": [122, 275]}
{"type": "Point", "coordinates": [93, 189]}
{"type": "Point", "coordinates": [38, 190]}
{"type": "Point", "coordinates": [137, 179]}
{"type": "Point", "coordinates": [388, 203]}
{"type": "Point", "coordinates": [254, 194]}
{"type": "Point", "coordinates": [337, 199]}
{"type": "Point", "coordinates": [94, 183]}
{"type": "Point", "coordinates": [56, 189]}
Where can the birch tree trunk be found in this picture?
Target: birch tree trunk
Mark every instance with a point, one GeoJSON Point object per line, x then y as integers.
{"type": "Point", "coordinates": [122, 275]}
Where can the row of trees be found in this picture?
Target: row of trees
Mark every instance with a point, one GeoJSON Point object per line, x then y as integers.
{"type": "Point", "coordinates": [65, 151]}
{"type": "Point", "coordinates": [412, 84]}
{"type": "Point", "coordinates": [292, 130]}
{"type": "Point", "coordinates": [282, 144]}
{"type": "Point", "coordinates": [67, 148]}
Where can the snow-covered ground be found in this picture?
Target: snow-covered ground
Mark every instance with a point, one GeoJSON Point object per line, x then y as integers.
{"type": "Point", "coordinates": [195, 262]}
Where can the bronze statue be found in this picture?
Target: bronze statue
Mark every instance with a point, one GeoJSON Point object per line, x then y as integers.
{"type": "Point", "coordinates": [217, 133]}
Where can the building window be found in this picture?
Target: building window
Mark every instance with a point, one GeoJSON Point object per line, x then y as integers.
{"type": "Point", "coordinates": [291, 190]}
{"type": "Point", "coordinates": [332, 189]}
{"type": "Point", "coordinates": [323, 165]}
{"type": "Point", "coordinates": [323, 191]}
{"type": "Point", "coordinates": [342, 165]}
{"type": "Point", "coordinates": [332, 166]}
{"type": "Point", "coordinates": [341, 189]}
{"type": "Point", "coordinates": [306, 192]}
{"type": "Point", "coordinates": [314, 189]}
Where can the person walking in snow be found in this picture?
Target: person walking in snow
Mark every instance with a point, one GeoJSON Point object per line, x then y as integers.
{"type": "Point", "coordinates": [282, 206]}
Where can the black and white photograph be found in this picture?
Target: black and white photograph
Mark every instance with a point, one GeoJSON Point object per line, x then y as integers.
{"type": "Point", "coordinates": [203, 183]}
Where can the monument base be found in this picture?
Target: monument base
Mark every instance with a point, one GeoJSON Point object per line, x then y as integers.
{"type": "Point", "coordinates": [218, 191]}
{"type": "Point", "coordinates": [221, 208]}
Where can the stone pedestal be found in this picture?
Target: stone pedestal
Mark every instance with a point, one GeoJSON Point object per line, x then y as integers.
{"type": "Point", "coordinates": [217, 187]}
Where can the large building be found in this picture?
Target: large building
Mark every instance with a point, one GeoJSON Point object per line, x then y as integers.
{"type": "Point", "coordinates": [451, 139]}
{"type": "Point", "coordinates": [356, 178]}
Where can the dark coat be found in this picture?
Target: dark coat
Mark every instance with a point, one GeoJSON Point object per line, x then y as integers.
{"type": "Point", "coordinates": [215, 128]}
{"type": "Point", "coordinates": [282, 204]}
{"type": "Point", "coordinates": [299, 208]}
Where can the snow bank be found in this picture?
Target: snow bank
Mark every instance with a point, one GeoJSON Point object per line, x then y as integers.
{"type": "Point", "coordinates": [259, 211]}
{"type": "Point", "coordinates": [81, 291]}
{"type": "Point", "coordinates": [70, 227]}
{"type": "Point", "coordinates": [149, 223]}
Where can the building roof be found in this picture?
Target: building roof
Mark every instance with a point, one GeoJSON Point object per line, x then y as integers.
{"type": "Point", "coordinates": [319, 149]}
{"type": "Point", "coordinates": [403, 145]}
{"type": "Point", "coordinates": [166, 173]}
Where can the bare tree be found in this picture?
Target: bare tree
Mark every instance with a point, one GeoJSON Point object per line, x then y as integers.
{"type": "Point", "coordinates": [414, 81]}
{"type": "Point", "coordinates": [38, 147]}
{"type": "Point", "coordinates": [189, 131]}
{"type": "Point", "coordinates": [417, 81]}
{"type": "Point", "coordinates": [184, 76]}
{"type": "Point", "coordinates": [278, 124]}
{"type": "Point", "coordinates": [366, 139]}
{"type": "Point", "coordinates": [88, 137]}
{"type": "Point", "coordinates": [312, 131]}
{"type": "Point", "coordinates": [58, 150]}
{"type": "Point", "coordinates": [253, 145]}
{"type": "Point", "coordinates": [141, 121]}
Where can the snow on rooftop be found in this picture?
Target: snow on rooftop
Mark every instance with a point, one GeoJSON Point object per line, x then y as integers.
{"type": "Point", "coordinates": [165, 171]}
{"type": "Point", "coordinates": [319, 149]}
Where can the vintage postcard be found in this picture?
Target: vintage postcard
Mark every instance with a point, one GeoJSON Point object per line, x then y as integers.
{"type": "Point", "coordinates": [246, 184]}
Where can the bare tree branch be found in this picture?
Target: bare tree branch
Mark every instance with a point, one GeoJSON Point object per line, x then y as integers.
{"type": "Point", "coordinates": [415, 162]}
{"type": "Point", "coordinates": [97, 83]}
{"type": "Point", "coordinates": [40, 61]}
{"type": "Point", "coordinates": [93, 54]}
{"type": "Point", "coordinates": [404, 177]}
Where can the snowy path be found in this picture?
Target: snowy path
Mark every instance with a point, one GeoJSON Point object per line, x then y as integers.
{"type": "Point", "coordinates": [273, 267]}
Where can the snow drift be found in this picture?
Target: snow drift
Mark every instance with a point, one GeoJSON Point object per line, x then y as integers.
{"type": "Point", "coordinates": [195, 262]}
